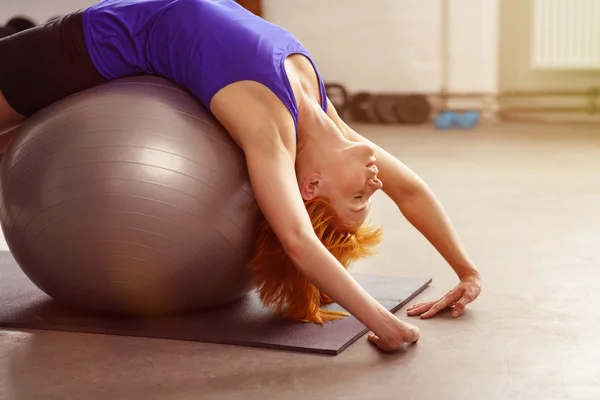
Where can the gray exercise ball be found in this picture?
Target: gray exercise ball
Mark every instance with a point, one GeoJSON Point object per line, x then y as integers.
{"type": "Point", "coordinates": [129, 198]}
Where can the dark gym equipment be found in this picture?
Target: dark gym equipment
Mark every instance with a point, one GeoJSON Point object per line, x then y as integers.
{"type": "Point", "coordinates": [385, 106]}
{"type": "Point", "coordinates": [403, 109]}
{"type": "Point", "coordinates": [377, 108]}
{"type": "Point", "coordinates": [129, 198]}
{"type": "Point", "coordinates": [245, 322]}
{"type": "Point", "coordinates": [367, 107]}
{"type": "Point", "coordinates": [19, 24]}
{"type": "Point", "coordinates": [413, 109]}
{"type": "Point", "coordinates": [361, 108]}
{"type": "Point", "coordinates": [338, 95]}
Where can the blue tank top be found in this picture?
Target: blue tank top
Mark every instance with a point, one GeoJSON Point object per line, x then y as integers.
{"type": "Point", "coordinates": [202, 45]}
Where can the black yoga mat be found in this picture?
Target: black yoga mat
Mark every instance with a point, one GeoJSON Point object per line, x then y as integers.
{"type": "Point", "coordinates": [243, 323]}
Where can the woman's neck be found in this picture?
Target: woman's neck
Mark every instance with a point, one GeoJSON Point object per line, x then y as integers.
{"type": "Point", "coordinates": [318, 136]}
{"type": "Point", "coordinates": [314, 125]}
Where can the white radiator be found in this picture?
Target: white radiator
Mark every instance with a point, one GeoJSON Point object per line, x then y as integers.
{"type": "Point", "coordinates": [566, 34]}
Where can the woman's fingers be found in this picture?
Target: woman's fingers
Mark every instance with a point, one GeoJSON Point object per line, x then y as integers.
{"type": "Point", "coordinates": [419, 305]}
{"type": "Point", "coordinates": [445, 302]}
{"type": "Point", "coordinates": [459, 298]}
{"type": "Point", "coordinates": [420, 308]}
{"type": "Point", "coordinates": [459, 307]}
{"type": "Point", "coordinates": [461, 304]}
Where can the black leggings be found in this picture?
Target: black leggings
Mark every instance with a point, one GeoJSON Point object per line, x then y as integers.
{"type": "Point", "coordinates": [46, 63]}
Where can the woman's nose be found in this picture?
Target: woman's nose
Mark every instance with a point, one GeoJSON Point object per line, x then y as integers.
{"type": "Point", "coordinates": [375, 184]}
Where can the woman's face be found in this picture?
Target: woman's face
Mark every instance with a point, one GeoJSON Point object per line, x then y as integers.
{"type": "Point", "coordinates": [349, 179]}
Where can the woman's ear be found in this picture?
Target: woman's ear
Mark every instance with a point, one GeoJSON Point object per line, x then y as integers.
{"type": "Point", "coordinates": [310, 188]}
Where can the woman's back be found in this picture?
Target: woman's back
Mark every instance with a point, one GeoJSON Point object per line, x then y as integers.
{"type": "Point", "coordinates": [202, 45]}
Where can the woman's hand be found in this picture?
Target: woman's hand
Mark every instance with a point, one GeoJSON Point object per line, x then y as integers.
{"type": "Point", "coordinates": [464, 293]}
{"type": "Point", "coordinates": [401, 333]}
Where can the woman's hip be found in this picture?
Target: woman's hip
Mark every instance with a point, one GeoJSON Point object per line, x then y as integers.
{"type": "Point", "coordinates": [46, 63]}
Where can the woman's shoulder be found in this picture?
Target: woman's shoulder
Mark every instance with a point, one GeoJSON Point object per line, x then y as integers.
{"type": "Point", "coordinates": [254, 116]}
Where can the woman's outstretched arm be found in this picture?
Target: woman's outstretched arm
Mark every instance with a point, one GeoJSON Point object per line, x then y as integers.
{"type": "Point", "coordinates": [275, 187]}
{"type": "Point", "coordinates": [261, 125]}
{"type": "Point", "coordinates": [422, 209]}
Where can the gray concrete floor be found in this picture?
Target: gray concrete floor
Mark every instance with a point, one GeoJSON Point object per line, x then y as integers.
{"type": "Point", "coordinates": [526, 201]}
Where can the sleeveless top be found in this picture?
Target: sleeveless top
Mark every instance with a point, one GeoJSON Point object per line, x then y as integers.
{"type": "Point", "coordinates": [202, 45]}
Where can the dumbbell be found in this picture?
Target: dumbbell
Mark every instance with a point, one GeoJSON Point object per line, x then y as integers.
{"type": "Point", "coordinates": [445, 120]}
{"type": "Point", "coordinates": [448, 119]}
{"type": "Point", "coordinates": [467, 120]}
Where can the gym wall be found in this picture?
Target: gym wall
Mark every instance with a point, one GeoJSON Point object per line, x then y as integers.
{"type": "Point", "coordinates": [516, 75]}
{"type": "Point", "coordinates": [515, 46]}
{"type": "Point", "coordinates": [39, 10]}
{"type": "Point", "coordinates": [42, 10]}
{"type": "Point", "coordinates": [395, 45]}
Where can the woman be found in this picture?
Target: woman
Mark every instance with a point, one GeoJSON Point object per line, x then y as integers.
{"type": "Point", "coordinates": [263, 86]}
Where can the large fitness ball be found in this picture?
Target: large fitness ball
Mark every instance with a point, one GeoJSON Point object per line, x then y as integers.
{"type": "Point", "coordinates": [129, 198]}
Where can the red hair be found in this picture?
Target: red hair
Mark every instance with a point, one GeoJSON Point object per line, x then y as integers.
{"type": "Point", "coordinates": [282, 287]}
